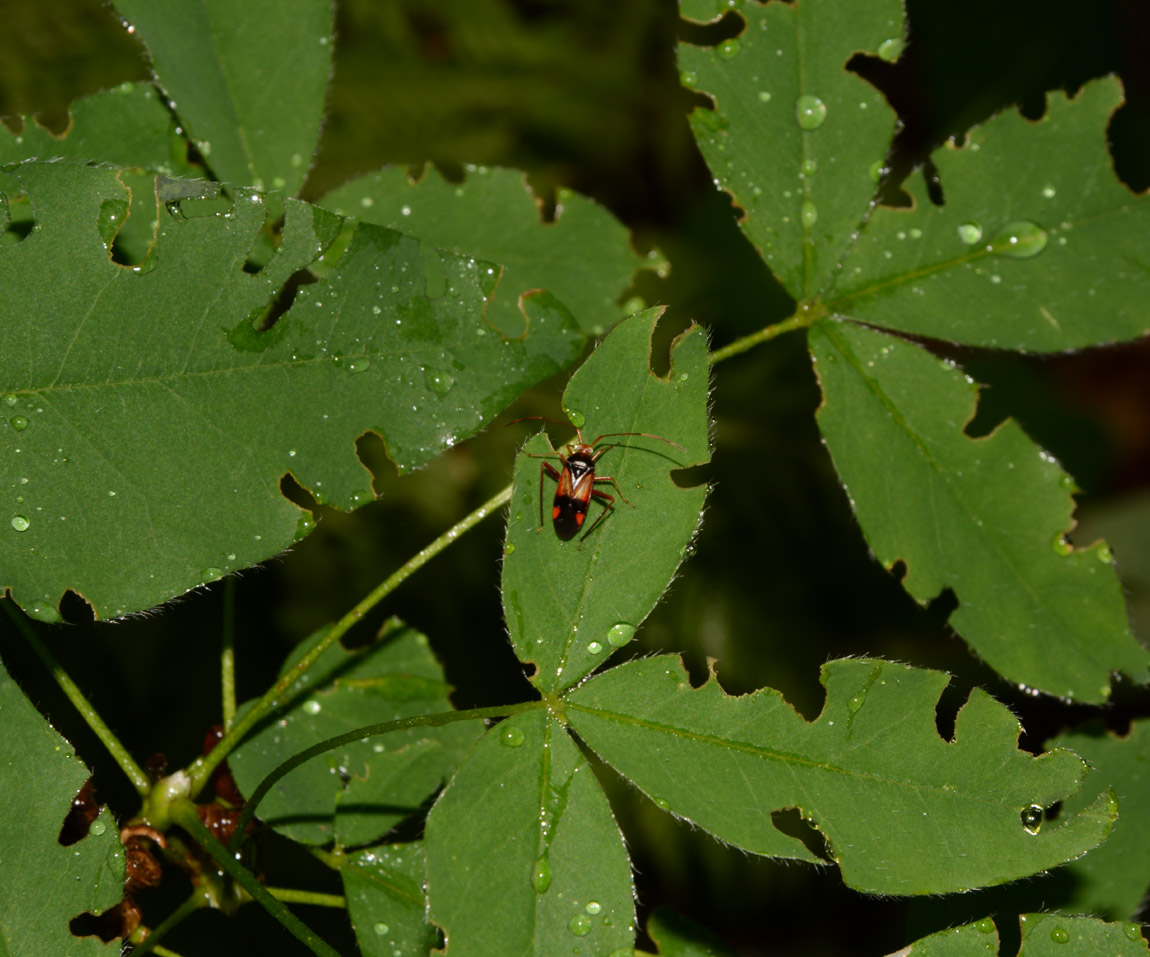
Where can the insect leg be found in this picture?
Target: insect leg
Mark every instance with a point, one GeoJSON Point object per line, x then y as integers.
{"type": "Point", "coordinates": [545, 468]}
{"type": "Point", "coordinates": [610, 504]}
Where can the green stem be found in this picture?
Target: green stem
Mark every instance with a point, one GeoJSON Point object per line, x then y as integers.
{"type": "Point", "coordinates": [184, 814]}
{"type": "Point", "coordinates": [289, 895]}
{"type": "Point", "coordinates": [160, 951]}
{"type": "Point", "coordinates": [228, 653]}
{"type": "Point", "coordinates": [419, 721]}
{"type": "Point", "coordinates": [800, 320]}
{"type": "Point", "coordinates": [201, 769]}
{"type": "Point", "coordinates": [135, 773]}
{"type": "Point", "coordinates": [192, 903]}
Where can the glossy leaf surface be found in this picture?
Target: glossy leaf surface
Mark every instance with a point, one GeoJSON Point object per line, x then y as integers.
{"type": "Point", "coordinates": [1043, 935]}
{"type": "Point", "coordinates": [385, 900]}
{"type": "Point", "coordinates": [985, 516]}
{"type": "Point", "coordinates": [902, 810]}
{"type": "Point", "coordinates": [570, 604]}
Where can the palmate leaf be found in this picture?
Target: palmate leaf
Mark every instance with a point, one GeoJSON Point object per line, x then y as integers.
{"type": "Point", "coordinates": [1043, 935]}
{"type": "Point", "coordinates": [357, 793]}
{"type": "Point", "coordinates": [43, 884]}
{"type": "Point", "coordinates": [570, 605]}
{"type": "Point", "coordinates": [983, 516]}
{"type": "Point", "coordinates": [132, 471]}
{"type": "Point", "coordinates": [247, 80]}
{"type": "Point", "coordinates": [584, 258]}
{"type": "Point", "coordinates": [522, 849]}
{"type": "Point", "coordinates": [902, 810]}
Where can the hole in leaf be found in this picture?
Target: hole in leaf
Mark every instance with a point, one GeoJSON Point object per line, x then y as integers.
{"type": "Point", "coordinates": [726, 27]}
{"type": "Point", "coordinates": [898, 569]}
{"type": "Point", "coordinates": [297, 494]}
{"type": "Point", "coordinates": [84, 810]}
{"type": "Point", "coordinates": [1033, 105]}
{"type": "Point", "coordinates": [946, 709]}
{"type": "Point", "coordinates": [790, 821]}
{"type": "Point", "coordinates": [933, 183]}
{"type": "Point", "coordinates": [76, 609]}
{"type": "Point", "coordinates": [1054, 812]}
{"type": "Point", "coordinates": [108, 926]}
{"type": "Point", "coordinates": [372, 454]}
{"type": "Point", "coordinates": [285, 298]}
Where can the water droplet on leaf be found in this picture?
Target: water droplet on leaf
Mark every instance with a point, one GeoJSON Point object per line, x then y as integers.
{"type": "Point", "coordinates": [1059, 935]}
{"type": "Point", "coordinates": [810, 213]}
{"type": "Point", "coordinates": [511, 737]}
{"type": "Point", "coordinates": [580, 925]}
{"type": "Point", "coordinates": [19, 422]}
{"type": "Point", "coordinates": [729, 49]}
{"type": "Point", "coordinates": [541, 875]}
{"type": "Point", "coordinates": [620, 634]}
{"type": "Point", "coordinates": [970, 233]}
{"type": "Point", "coordinates": [1020, 240]}
{"type": "Point", "coordinates": [890, 50]}
{"type": "Point", "coordinates": [810, 112]}
{"type": "Point", "coordinates": [1032, 818]}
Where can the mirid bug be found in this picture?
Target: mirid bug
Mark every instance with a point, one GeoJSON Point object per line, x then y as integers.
{"type": "Point", "coordinates": [575, 483]}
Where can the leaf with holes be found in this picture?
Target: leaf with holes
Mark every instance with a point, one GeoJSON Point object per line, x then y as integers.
{"type": "Point", "coordinates": [584, 258]}
{"type": "Point", "coordinates": [45, 884]}
{"type": "Point", "coordinates": [570, 604]}
{"type": "Point", "coordinates": [903, 811]}
{"type": "Point", "coordinates": [148, 420]}
{"type": "Point", "coordinates": [522, 842]}
{"type": "Point", "coordinates": [356, 793]}
{"type": "Point", "coordinates": [985, 517]}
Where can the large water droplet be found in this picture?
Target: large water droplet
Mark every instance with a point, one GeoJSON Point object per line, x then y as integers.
{"type": "Point", "coordinates": [20, 523]}
{"type": "Point", "coordinates": [877, 168]}
{"type": "Point", "coordinates": [541, 875]}
{"type": "Point", "coordinates": [970, 233]}
{"type": "Point", "coordinates": [729, 49]}
{"type": "Point", "coordinates": [19, 422]}
{"type": "Point", "coordinates": [1032, 818]}
{"type": "Point", "coordinates": [97, 827]}
{"type": "Point", "coordinates": [810, 112]}
{"type": "Point", "coordinates": [511, 737]}
{"type": "Point", "coordinates": [381, 929]}
{"type": "Point", "coordinates": [890, 50]}
{"type": "Point", "coordinates": [594, 647]}
{"type": "Point", "coordinates": [10, 399]}
{"type": "Point", "coordinates": [593, 907]}
{"type": "Point", "coordinates": [577, 418]}
{"type": "Point", "coordinates": [580, 925]}
{"type": "Point", "coordinates": [810, 214]}
{"type": "Point", "coordinates": [1059, 935]}
{"type": "Point", "coordinates": [1020, 240]}
{"type": "Point", "coordinates": [620, 634]}
{"type": "Point", "coordinates": [438, 381]}
{"type": "Point", "coordinates": [985, 926]}
{"type": "Point", "coordinates": [311, 706]}
{"type": "Point", "coordinates": [359, 364]}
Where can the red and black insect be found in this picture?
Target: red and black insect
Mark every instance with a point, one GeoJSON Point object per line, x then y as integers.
{"type": "Point", "coordinates": [577, 480]}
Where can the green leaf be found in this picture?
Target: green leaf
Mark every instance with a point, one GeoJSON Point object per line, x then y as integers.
{"type": "Point", "coordinates": [247, 80]}
{"type": "Point", "coordinates": [45, 884]}
{"type": "Point", "coordinates": [127, 126]}
{"type": "Point", "coordinates": [985, 517]}
{"type": "Point", "coordinates": [384, 891]}
{"type": "Point", "coordinates": [1043, 935]}
{"type": "Point", "coordinates": [522, 844]}
{"type": "Point", "coordinates": [570, 604]}
{"type": "Point", "coordinates": [1112, 881]}
{"type": "Point", "coordinates": [584, 258]}
{"type": "Point", "coordinates": [1077, 272]}
{"type": "Point", "coordinates": [793, 136]}
{"type": "Point", "coordinates": [357, 793]}
{"type": "Point", "coordinates": [903, 811]}
{"type": "Point", "coordinates": [129, 395]}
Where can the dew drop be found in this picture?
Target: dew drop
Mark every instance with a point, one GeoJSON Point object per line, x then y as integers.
{"type": "Point", "coordinates": [729, 49]}
{"type": "Point", "coordinates": [511, 737]}
{"type": "Point", "coordinates": [985, 926]}
{"type": "Point", "coordinates": [438, 381]}
{"type": "Point", "coordinates": [810, 213]}
{"type": "Point", "coordinates": [970, 233]}
{"type": "Point", "coordinates": [580, 925]}
{"type": "Point", "coordinates": [381, 929]}
{"type": "Point", "coordinates": [1020, 240]}
{"type": "Point", "coordinates": [98, 827]}
{"type": "Point", "coordinates": [211, 573]}
{"type": "Point", "coordinates": [1032, 818]}
{"type": "Point", "coordinates": [311, 706]}
{"type": "Point", "coordinates": [593, 907]}
{"type": "Point", "coordinates": [764, 96]}
{"type": "Point", "coordinates": [577, 419]}
{"type": "Point", "coordinates": [19, 422]}
{"type": "Point", "coordinates": [891, 49]}
{"type": "Point", "coordinates": [877, 168]}
{"type": "Point", "coordinates": [1061, 546]}
{"type": "Point", "coordinates": [662, 804]}
{"type": "Point", "coordinates": [9, 399]}
{"type": "Point", "coordinates": [1133, 931]}
{"type": "Point", "coordinates": [620, 634]}
{"type": "Point", "coordinates": [1104, 554]}
{"type": "Point", "coordinates": [361, 364]}
{"type": "Point", "coordinates": [810, 112]}
{"type": "Point", "coordinates": [1059, 935]}
{"type": "Point", "coordinates": [1048, 191]}
{"type": "Point", "coordinates": [810, 167]}
{"type": "Point", "coordinates": [856, 702]}
{"type": "Point", "coordinates": [541, 875]}
{"type": "Point", "coordinates": [688, 78]}
{"type": "Point", "coordinates": [594, 648]}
